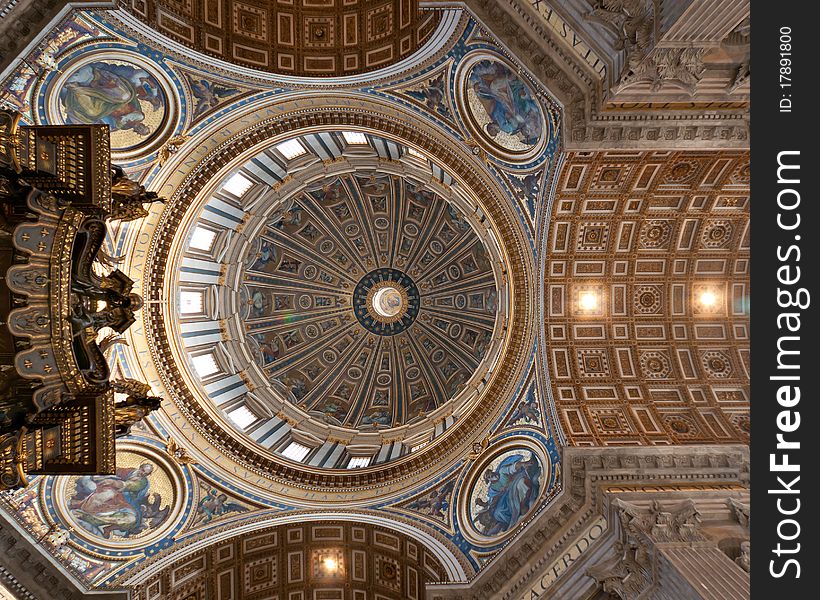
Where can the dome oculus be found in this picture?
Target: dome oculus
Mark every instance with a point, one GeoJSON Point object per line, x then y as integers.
{"type": "Point", "coordinates": [386, 301]}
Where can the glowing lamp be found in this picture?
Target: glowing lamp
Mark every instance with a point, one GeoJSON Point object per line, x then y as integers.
{"type": "Point", "coordinates": [330, 564]}
{"type": "Point", "coordinates": [708, 299]}
{"type": "Point", "coordinates": [589, 300]}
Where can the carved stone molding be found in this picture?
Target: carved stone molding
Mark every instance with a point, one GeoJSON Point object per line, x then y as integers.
{"type": "Point", "coordinates": [740, 38]}
{"type": "Point", "coordinates": [588, 124]}
{"type": "Point", "coordinates": [627, 574]}
{"type": "Point", "coordinates": [632, 570]}
{"type": "Point", "coordinates": [745, 559]}
{"type": "Point", "coordinates": [679, 67]}
{"type": "Point", "coordinates": [661, 550]}
{"type": "Point", "coordinates": [590, 475]}
{"type": "Point", "coordinates": [633, 25]}
{"type": "Point", "coordinates": [29, 571]}
{"type": "Point", "coordinates": [666, 48]}
{"type": "Point", "coordinates": [741, 511]}
{"type": "Point", "coordinates": [660, 523]}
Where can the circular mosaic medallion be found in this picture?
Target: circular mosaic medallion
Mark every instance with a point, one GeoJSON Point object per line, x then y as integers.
{"type": "Point", "coordinates": [133, 507]}
{"type": "Point", "coordinates": [386, 301]}
{"type": "Point", "coordinates": [503, 490]}
{"type": "Point", "coordinates": [502, 110]}
{"type": "Point", "coordinates": [133, 99]}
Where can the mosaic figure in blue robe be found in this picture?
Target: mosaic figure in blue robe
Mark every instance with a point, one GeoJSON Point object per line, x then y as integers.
{"type": "Point", "coordinates": [507, 101]}
{"type": "Point", "coordinates": [513, 488]}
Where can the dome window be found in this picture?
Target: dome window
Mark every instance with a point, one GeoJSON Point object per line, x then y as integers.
{"type": "Point", "coordinates": [237, 185]}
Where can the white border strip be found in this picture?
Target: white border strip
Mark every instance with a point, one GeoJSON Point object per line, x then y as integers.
{"type": "Point", "coordinates": [542, 369]}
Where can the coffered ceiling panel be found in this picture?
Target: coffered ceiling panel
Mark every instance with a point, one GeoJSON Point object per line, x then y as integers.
{"type": "Point", "coordinates": [647, 297]}
{"type": "Point", "coordinates": [307, 561]}
{"type": "Point", "coordinates": [312, 38]}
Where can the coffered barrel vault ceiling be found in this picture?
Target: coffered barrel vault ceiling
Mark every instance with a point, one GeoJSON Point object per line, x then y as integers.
{"type": "Point", "coordinates": [650, 235]}
{"type": "Point", "coordinates": [329, 560]}
{"type": "Point", "coordinates": [313, 38]}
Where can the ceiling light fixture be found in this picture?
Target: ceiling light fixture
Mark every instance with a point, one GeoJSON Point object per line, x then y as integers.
{"type": "Point", "coordinates": [708, 298]}
{"type": "Point", "coordinates": [589, 300]}
{"type": "Point", "coordinates": [330, 564]}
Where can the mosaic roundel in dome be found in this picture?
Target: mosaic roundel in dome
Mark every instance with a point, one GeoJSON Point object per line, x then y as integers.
{"type": "Point", "coordinates": [121, 94]}
{"type": "Point", "coordinates": [131, 508]}
{"type": "Point", "coordinates": [371, 299]}
{"type": "Point", "coordinates": [503, 491]}
{"type": "Point", "coordinates": [502, 109]}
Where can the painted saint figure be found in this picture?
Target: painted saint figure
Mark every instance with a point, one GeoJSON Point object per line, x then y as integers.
{"type": "Point", "coordinates": [513, 487]}
{"type": "Point", "coordinates": [526, 411]}
{"type": "Point", "coordinates": [259, 303]}
{"type": "Point", "coordinates": [119, 504]}
{"type": "Point", "coordinates": [208, 95]}
{"type": "Point", "coordinates": [436, 503]}
{"type": "Point", "coordinates": [378, 417]}
{"type": "Point", "coordinates": [216, 504]}
{"type": "Point", "coordinates": [263, 256]}
{"type": "Point", "coordinates": [111, 94]}
{"type": "Point", "coordinates": [507, 101]}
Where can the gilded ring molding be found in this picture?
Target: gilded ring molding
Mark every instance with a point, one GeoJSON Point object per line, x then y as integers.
{"type": "Point", "coordinates": [294, 117]}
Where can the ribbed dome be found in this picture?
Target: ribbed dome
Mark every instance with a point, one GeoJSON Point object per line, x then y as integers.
{"type": "Point", "coordinates": [310, 287]}
{"type": "Point", "coordinates": [341, 300]}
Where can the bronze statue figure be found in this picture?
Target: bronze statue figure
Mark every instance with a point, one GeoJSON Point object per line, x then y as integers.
{"type": "Point", "coordinates": [135, 407]}
{"type": "Point", "coordinates": [120, 302]}
{"type": "Point", "coordinates": [129, 197]}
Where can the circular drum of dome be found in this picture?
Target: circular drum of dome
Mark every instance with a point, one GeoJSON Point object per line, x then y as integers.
{"type": "Point", "coordinates": [290, 370]}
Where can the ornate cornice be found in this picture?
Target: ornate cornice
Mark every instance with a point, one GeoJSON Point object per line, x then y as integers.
{"type": "Point", "coordinates": [588, 473]}
{"type": "Point", "coordinates": [31, 573]}
{"type": "Point", "coordinates": [587, 125]}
